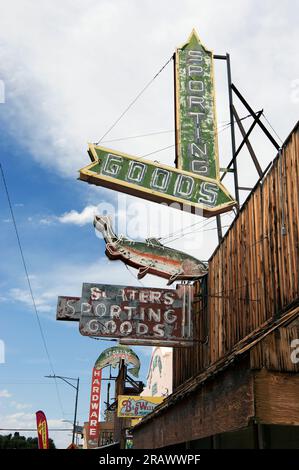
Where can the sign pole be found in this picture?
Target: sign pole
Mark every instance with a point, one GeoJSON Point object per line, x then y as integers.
{"type": "Point", "coordinates": [76, 406]}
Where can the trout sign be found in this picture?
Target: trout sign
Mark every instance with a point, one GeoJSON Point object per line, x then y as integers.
{"type": "Point", "coordinates": [194, 184]}
{"type": "Point", "coordinates": [134, 315]}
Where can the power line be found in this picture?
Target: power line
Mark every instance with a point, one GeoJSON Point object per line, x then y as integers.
{"type": "Point", "coordinates": [137, 136]}
{"type": "Point", "coordinates": [157, 151]}
{"type": "Point", "coordinates": [134, 100]}
{"type": "Point", "coordinates": [264, 116]}
{"type": "Point", "coordinates": [223, 128]}
{"type": "Point", "coordinates": [34, 429]}
{"type": "Point", "coordinates": [29, 282]}
{"type": "Point", "coordinates": [201, 223]}
{"type": "Point", "coordinates": [193, 231]}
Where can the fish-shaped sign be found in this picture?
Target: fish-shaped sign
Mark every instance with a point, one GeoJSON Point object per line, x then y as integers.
{"type": "Point", "coordinates": [113, 356]}
{"type": "Point", "coordinates": [150, 256]}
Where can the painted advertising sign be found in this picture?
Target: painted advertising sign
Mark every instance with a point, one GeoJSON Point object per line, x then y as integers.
{"type": "Point", "coordinates": [136, 406]}
{"type": "Point", "coordinates": [113, 356]}
{"type": "Point", "coordinates": [149, 256]}
{"type": "Point", "coordinates": [94, 410]}
{"type": "Point", "coordinates": [146, 179]}
{"type": "Point", "coordinates": [42, 430]}
{"type": "Point", "coordinates": [196, 128]}
{"type": "Point", "coordinates": [137, 315]}
{"type": "Point", "coordinates": [110, 356]}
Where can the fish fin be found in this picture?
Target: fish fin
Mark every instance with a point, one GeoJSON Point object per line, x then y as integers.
{"type": "Point", "coordinates": [153, 241]}
{"type": "Point", "coordinates": [142, 272]}
{"type": "Point", "coordinates": [110, 248]}
{"type": "Point", "coordinates": [173, 278]}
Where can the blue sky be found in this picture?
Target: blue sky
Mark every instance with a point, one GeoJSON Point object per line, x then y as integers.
{"type": "Point", "coordinates": [69, 69]}
{"type": "Point", "coordinates": [36, 192]}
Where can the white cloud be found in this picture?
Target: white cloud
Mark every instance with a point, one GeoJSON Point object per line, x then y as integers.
{"type": "Point", "coordinates": [57, 281]}
{"type": "Point", "coordinates": [82, 62]}
{"type": "Point", "coordinates": [84, 217]}
{"type": "Point", "coordinates": [27, 420]}
{"type": "Point", "coordinates": [19, 406]}
{"type": "Point", "coordinates": [17, 294]}
{"type": "Point", "coordinates": [5, 394]}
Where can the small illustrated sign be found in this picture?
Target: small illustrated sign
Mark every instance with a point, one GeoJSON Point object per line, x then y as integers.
{"type": "Point", "coordinates": [113, 356]}
{"type": "Point", "coordinates": [136, 406]}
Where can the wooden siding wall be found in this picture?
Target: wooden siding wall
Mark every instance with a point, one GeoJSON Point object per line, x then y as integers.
{"type": "Point", "coordinates": [253, 274]}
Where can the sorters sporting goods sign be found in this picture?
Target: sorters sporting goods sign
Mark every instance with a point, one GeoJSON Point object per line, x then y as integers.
{"type": "Point", "coordinates": [134, 315]}
{"type": "Point", "coordinates": [137, 315]}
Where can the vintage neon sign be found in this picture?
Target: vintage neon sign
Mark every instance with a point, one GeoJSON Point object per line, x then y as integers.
{"type": "Point", "coordinates": [134, 315]}
{"type": "Point", "coordinates": [194, 184]}
{"type": "Point", "coordinates": [196, 128]}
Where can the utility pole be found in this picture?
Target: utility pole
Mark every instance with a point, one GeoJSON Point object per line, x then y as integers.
{"type": "Point", "coordinates": [76, 387]}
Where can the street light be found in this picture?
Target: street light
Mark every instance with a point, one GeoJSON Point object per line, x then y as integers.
{"type": "Point", "coordinates": [66, 379]}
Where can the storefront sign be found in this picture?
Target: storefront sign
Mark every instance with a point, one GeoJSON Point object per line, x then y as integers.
{"type": "Point", "coordinates": [136, 406]}
{"type": "Point", "coordinates": [189, 191]}
{"type": "Point", "coordinates": [196, 128]}
{"type": "Point", "coordinates": [68, 308]}
{"type": "Point", "coordinates": [194, 184]}
{"type": "Point", "coordinates": [94, 410]}
{"type": "Point", "coordinates": [113, 356]}
{"type": "Point", "coordinates": [149, 256]}
{"type": "Point", "coordinates": [137, 315]}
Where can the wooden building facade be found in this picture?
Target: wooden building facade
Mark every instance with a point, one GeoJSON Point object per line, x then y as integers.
{"type": "Point", "coordinates": [238, 385]}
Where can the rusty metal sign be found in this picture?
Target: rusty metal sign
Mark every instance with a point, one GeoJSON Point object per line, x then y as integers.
{"type": "Point", "coordinates": [144, 315]}
{"type": "Point", "coordinates": [68, 308]}
{"type": "Point", "coordinates": [190, 192]}
{"type": "Point", "coordinates": [134, 315]}
{"type": "Point", "coordinates": [196, 127]}
{"type": "Point", "coordinates": [193, 185]}
{"type": "Point", "coordinates": [149, 256]}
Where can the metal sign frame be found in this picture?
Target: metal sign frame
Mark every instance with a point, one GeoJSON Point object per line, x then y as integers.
{"type": "Point", "coordinates": [148, 320]}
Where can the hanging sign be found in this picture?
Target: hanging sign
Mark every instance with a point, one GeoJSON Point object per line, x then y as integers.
{"type": "Point", "coordinates": [109, 357]}
{"type": "Point", "coordinates": [149, 256]}
{"type": "Point", "coordinates": [113, 356]}
{"type": "Point", "coordinates": [134, 315]}
{"type": "Point", "coordinates": [94, 409]}
{"type": "Point", "coordinates": [42, 430]}
{"type": "Point", "coordinates": [196, 128]}
{"type": "Point", "coordinates": [137, 315]}
{"type": "Point", "coordinates": [136, 406]}
{"type": "Point", "coordinates": [156, 182]}
{"type": "Point", "coordinates": [68, 308]}
{"type": "Point", "coordinates": [194, 184]}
